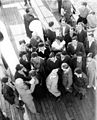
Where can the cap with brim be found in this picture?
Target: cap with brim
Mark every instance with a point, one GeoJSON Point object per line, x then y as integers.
{"type": "Point", "coordinates": [41, 44]}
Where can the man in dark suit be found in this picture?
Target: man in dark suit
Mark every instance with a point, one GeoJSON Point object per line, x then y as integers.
{"type": "Point", "coordinates": [82, 34]}
{"type": "Point", "coordinates": [28, 17]}
{"type": "Point", "coordinates": [75, 47]}
{"type": "Point", "coordinates": [65, 28]}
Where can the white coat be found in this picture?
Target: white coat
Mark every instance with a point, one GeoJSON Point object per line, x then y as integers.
{"type": "Point", "coordinates": [52, 83]}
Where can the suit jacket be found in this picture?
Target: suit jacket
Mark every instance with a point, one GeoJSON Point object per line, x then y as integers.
{"type": "Point", "coordinates": [66, 29]}
{"type": "Point", "coordinates": [91, 49]}
{"type": "Point", "coordinates": [82, 37]}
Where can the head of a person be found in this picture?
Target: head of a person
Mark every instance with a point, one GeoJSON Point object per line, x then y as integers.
{"type": "Point", "coordinates": [22, 42]}
{"type": "Point", "coordinates": [59, 38]}
{"type": "Point", "coordinates": [58, 55]}
{"type": "Point", "coordinates": [52, 55]}
{"type": "Point", "coordinates": [71, 31]}
{"type": "Point", "coordinates": [32, 73]}
{"type": "Point", "coordinates": [51, 24]}
{"type": "Point", "coordinates": [64, 67]}
{"type": "Point", "coordinates": [20, 67]}
{"type": "Point", "coordinates": [63, 54]}
{"type": "Point", "coordinates": [23, 55]}
{"type": "Point", "coordinates": [1, 36]}
{"type": "Point", "coordinates": [90, 36]}
{"type": "Point", "coordinates": [74, 41]}
{"type": "Point", "coordinates": [79, 57]}
{"type": "Point", "coordinates": [80, 26]}
{"type": "Point", "coordinates": [84, 4]}
{"type": "Point", "coordinates": [78, 72]}
{"type": "Point", "coordinates": [89, 57]}
{"type": "Point", "coordinates": [4, 80]}
{"type": "Point", "coordinates": [19, 82]}
{"type": "Point", "coordinates": [34, 57]}
{"type": "Point", "coordinates": [63, 21]}
{"type": "Point", "coordinates": [41, 46]}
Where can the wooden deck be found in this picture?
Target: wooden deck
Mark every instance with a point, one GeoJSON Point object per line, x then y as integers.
{"type": "Point", "coordinates": [69, 107]}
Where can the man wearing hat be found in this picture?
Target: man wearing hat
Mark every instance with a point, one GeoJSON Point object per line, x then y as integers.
{"type": "Point", "coordinates": [80, 82]}
{"type": "Point", "coordinates": [66, 76]}
{"type": "Point", "coordinates": [21, 72]}
{"type": "Point", "coordinates": [43, 51]}
{"type": "Point", "coordinates": [75, 47]}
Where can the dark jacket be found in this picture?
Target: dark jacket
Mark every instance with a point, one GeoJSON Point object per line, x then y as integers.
{"type": "Point", "coordinates": [27, 19]}
{"type": "Point", "coordinates": [82, 37]}
{"type": "Point", "coordinates": [92, 48]}
{"type": "Point", "coordinates": [45, 54]}
{"type": "Point", "coordinates": [51, 35]}
{"type": "Point", "coordinates": [8, 94]}
{"type": "Point", "coordinates": [18, 75]}
{"type": "Point", "coordinates": [80, 48]}
{"type": "Point", "coordinates": [26, 64]}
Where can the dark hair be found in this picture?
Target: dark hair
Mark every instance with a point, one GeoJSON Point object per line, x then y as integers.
{"type": "Point", "coordinates": [22, 41]}
{"type": "Point", "coordinates": [4, 79]}
{"type": "Point", "coordinates": [19, 67]}
{"type": "Point", "coordinates": [84, 3]}
{"type": "Point", "coordinates": [1, 36]}
{"type": "Point", "coordinates": [34, 54]}
{"type": "Point", "coordinates": [22, 53]}
{"type": "Point", "coordinates": [27, 10]}
{"type": "Point", "coordinates": [62, 19]}
{"type": "Point", "coordinates": [51, 24]}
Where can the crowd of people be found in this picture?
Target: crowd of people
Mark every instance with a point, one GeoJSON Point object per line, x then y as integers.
{"type": "Point", "coordinates": [56, 64]}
